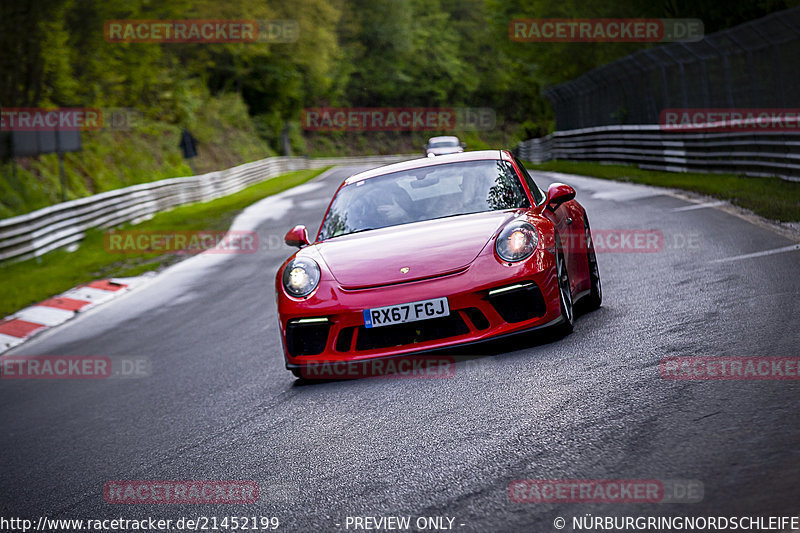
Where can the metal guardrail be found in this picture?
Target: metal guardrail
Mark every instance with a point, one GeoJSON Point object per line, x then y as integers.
{"type": "Point", "coordinates": [36, 233]}
{"type": "Point", "coordinates": [752, 153]}
{"type": "Point", "coordinates": [536, 150]}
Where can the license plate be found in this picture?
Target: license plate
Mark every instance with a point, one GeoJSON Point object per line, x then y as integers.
{"type": "Point", "coordinates": [410, 312]}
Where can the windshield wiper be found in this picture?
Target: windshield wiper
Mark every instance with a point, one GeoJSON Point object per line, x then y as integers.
{"type": "Point", "coordinates": [356, 231]}
{"type": "Point", "coordinates": [454, 215]}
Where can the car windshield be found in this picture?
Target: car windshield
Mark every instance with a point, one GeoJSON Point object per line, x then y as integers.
{"type": "Point", "coordinates": [425, 193]}
{"type": "Point", "coordinates": [443, 144]}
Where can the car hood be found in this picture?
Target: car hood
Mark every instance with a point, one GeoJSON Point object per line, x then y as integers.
{"type": "Point", "coordinates": [427, 249]}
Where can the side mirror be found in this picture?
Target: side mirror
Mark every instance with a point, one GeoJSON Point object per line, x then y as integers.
{"type": "Point", "coordinates": [463, 145]}
{"type": "Point", "coordinates": [297, 236]}
{"type": "Point", "coordinates": [558, 193]}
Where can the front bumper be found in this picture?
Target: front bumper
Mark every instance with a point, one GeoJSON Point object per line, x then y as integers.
{"type": "Point", "coordinates": [487, 300]}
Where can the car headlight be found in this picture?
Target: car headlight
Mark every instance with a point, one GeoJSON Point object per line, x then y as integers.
{"type": "Point", "coordinates": [301, 277]}
{"type": "Point", "coordinates": [517, 241]}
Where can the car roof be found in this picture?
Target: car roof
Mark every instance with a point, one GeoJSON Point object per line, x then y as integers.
{"type": "Point", "coordinates": [444, 138]}
{"type": "Point", "coordinates": [429, 161]}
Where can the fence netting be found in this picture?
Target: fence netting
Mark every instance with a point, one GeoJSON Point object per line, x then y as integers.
{"type": "Point", "coordinates": [754, 65]}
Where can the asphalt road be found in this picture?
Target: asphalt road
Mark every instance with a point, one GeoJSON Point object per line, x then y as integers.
{"type": "Point", "coordinates": [219, 405]}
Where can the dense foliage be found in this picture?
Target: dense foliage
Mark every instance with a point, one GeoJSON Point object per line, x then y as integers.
{"type": "Point", "coordinates": [444, 53]}
{"type": "Point", "coordinates": [350, 52]}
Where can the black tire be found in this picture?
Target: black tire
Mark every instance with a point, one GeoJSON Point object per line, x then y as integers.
{"type": "Point", "coordinates": [297, 373]}
{"type": "Point", "coordinates": [564, 293]}
{"type": "Point", "coordinates": [595, 298]}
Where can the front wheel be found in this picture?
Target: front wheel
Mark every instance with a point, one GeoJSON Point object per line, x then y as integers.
{"type": "Point", "coordinates": [565, 294]}
{"type": "Point", "coordinates": [595, 298]}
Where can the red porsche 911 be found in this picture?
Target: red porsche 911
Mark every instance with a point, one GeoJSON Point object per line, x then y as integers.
{"type": "Point", "coordinates": [431, 254]}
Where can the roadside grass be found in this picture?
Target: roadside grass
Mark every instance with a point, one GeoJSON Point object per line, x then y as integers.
{"type": "Point", "coordinates": [772, 198]}
{"type": "Point", "coordinates": [148, 151]}
{"type": "Point", "coordinates": [30, 281]}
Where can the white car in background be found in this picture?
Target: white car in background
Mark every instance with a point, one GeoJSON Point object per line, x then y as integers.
{"type": "Point", "coordinates": [443, 145]}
